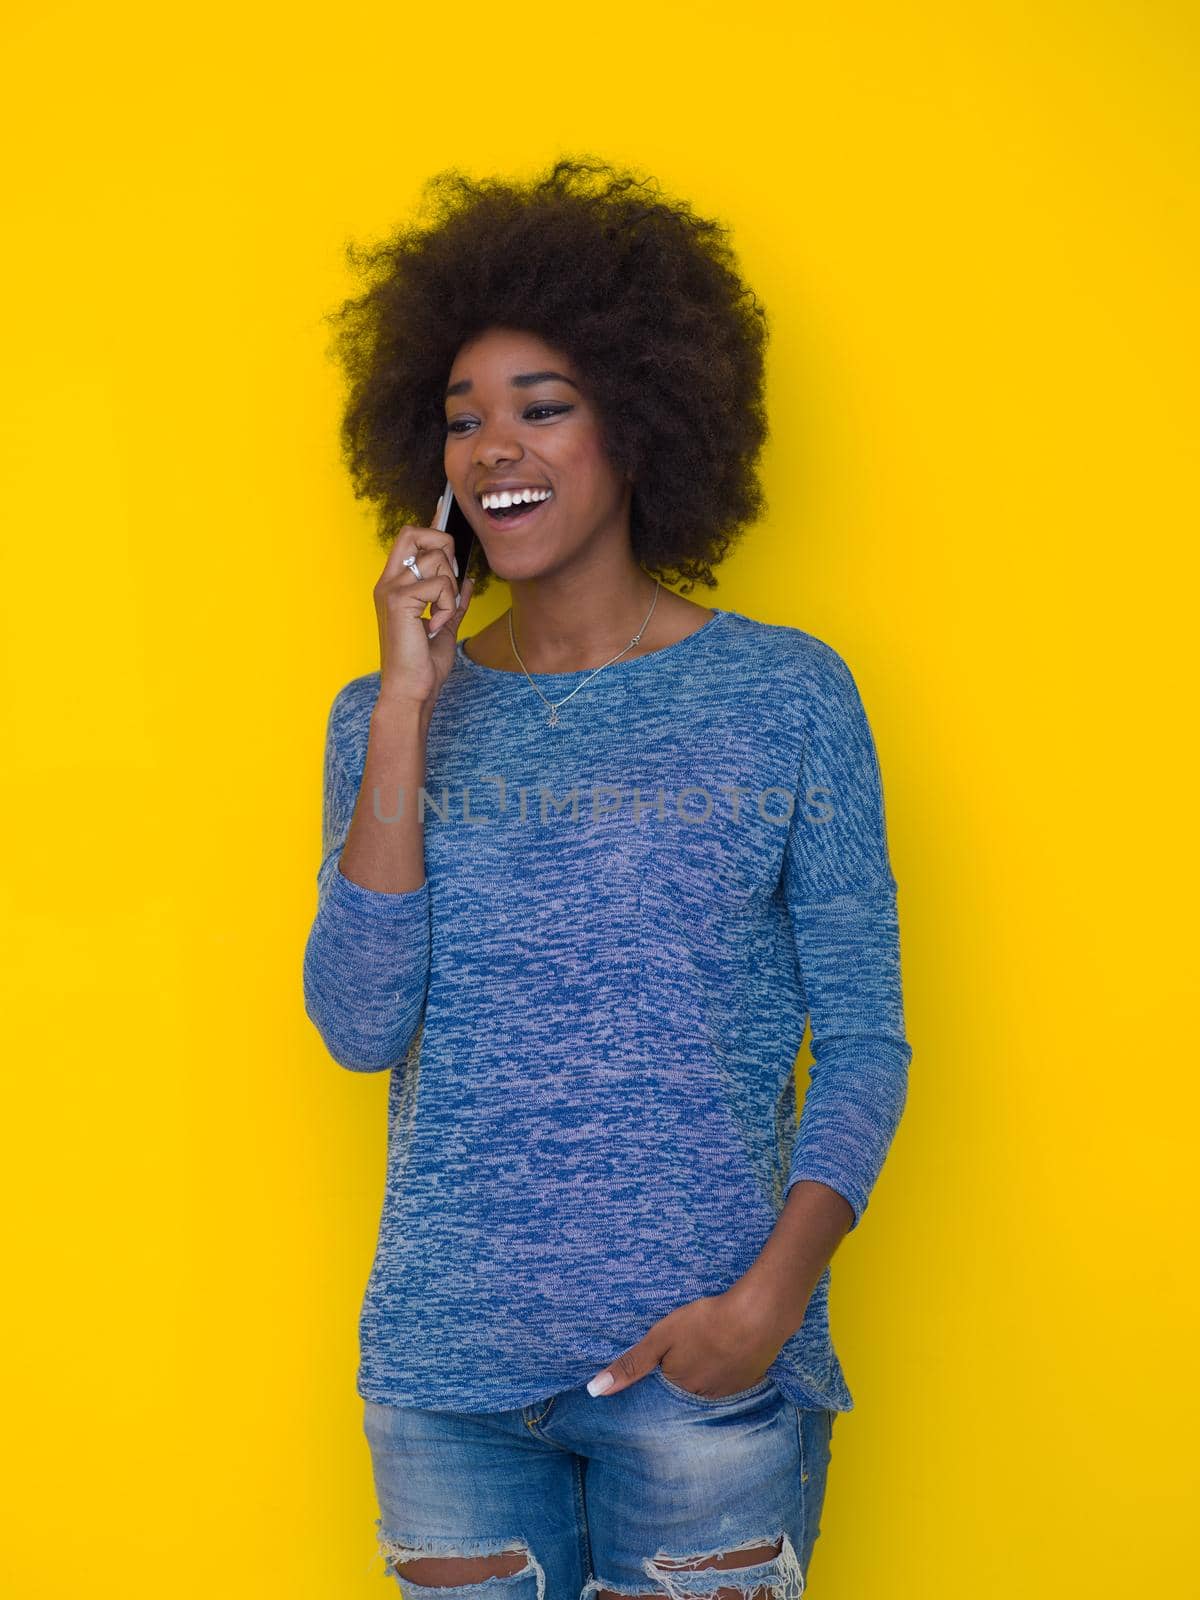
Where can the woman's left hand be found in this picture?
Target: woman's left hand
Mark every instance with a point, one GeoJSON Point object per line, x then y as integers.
{"type": "Point", "coordinates": [713, 1346]}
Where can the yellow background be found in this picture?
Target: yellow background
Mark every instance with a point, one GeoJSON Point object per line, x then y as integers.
{"type": "Point", "coordinates": [974, 229]}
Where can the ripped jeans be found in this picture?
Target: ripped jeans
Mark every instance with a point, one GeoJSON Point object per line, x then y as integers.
{"type": "Point", "coordinates": [607, 1493]}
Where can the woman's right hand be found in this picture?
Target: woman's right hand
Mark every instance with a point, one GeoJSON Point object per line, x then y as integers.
{"type": "Point", "coordinates": [416, 654]}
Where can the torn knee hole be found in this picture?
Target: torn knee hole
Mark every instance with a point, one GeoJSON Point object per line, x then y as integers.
{"type": "Point", "coordinates": [741, 1557]}
{"type": "Point", "coordinates": [693, 1577]}
{"type": "Point", "coordinates": [441, 1572]}
{"type": "Point", "coordinates": [440, 1563]}
{"type": "Point", "coordinates": [747, 1556]}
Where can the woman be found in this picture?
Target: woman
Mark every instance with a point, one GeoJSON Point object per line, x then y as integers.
{"type": "Point", "coordinates": [585, 876]}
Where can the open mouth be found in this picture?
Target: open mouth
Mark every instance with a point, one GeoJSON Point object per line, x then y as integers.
{"type": "Point", "coordinates": [511, 516]}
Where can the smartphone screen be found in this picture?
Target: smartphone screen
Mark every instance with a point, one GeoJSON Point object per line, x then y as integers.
{"type": "Point", "coordinates": [452, 519]}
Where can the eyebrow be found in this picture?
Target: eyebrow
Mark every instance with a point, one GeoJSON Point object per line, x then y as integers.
{"type": "Point", "coordinates": [523, 380]}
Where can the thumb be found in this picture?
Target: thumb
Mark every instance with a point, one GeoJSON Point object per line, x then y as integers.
{"type": "Point", "coordinates": [451, 623]}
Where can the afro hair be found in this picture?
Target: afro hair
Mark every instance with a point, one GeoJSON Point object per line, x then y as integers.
{"type": "Point", "coordinates": [641, 294]}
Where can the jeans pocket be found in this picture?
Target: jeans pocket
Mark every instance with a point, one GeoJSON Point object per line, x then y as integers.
{"type": "Point", "coordinates": [761, 1387]}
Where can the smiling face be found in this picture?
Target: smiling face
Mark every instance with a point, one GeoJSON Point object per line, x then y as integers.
{"type": "Point", "coordinates": [518, 418]}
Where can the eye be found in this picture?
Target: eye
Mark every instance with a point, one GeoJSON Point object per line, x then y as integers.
{"type": "Point", "coordinates": [461, 423]}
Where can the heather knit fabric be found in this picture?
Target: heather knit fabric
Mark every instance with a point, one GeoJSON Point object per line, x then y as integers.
{"type": "Point", "coordinates": [591, 1009]}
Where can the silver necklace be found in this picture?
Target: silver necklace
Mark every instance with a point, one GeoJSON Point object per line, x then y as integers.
{"type": "Point", "coordinates": [553, 718]}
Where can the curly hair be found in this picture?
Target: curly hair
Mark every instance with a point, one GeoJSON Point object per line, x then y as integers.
{"type": "Point", "coordinates": [641, 294]}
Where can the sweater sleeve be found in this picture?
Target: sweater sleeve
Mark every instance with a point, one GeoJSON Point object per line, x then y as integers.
{"type": "Point", "coordinates": [366, 960]}
{"type": "Point", "coordinates": [841, 897]}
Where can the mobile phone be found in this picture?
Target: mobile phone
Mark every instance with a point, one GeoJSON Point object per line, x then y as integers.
{"type": "Point", "coordinates": [452, 519]}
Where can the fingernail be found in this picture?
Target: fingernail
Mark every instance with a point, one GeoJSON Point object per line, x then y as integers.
{"type": "Point", "coordinates": [599, 1384]}
{"type": "Point", "coordinates": [457, 601]}
{"type": "Point", "coordinates": [454, 564]}
{"type": "Point", "coordinates": [435, 633]}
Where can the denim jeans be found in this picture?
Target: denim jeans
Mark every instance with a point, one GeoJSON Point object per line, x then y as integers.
{"type": "Point", "coordinates": [598, 1492]}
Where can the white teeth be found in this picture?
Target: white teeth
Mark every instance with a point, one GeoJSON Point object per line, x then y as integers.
{"type": "Point", "coordinates": [491, 502]}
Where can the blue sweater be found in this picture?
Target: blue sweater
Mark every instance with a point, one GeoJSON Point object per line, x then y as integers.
{"type": "Point", "coordinates": [591, 1008]}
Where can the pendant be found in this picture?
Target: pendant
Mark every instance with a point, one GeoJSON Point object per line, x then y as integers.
{"type": "Point", "coordinates": [553, 717]}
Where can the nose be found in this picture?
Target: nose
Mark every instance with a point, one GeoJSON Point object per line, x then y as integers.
{"type": "Point", "coordinates": [495, 446]}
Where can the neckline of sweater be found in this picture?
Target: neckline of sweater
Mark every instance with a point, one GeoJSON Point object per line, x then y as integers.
{"type": "Point", "coordinates": [628, 663]}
